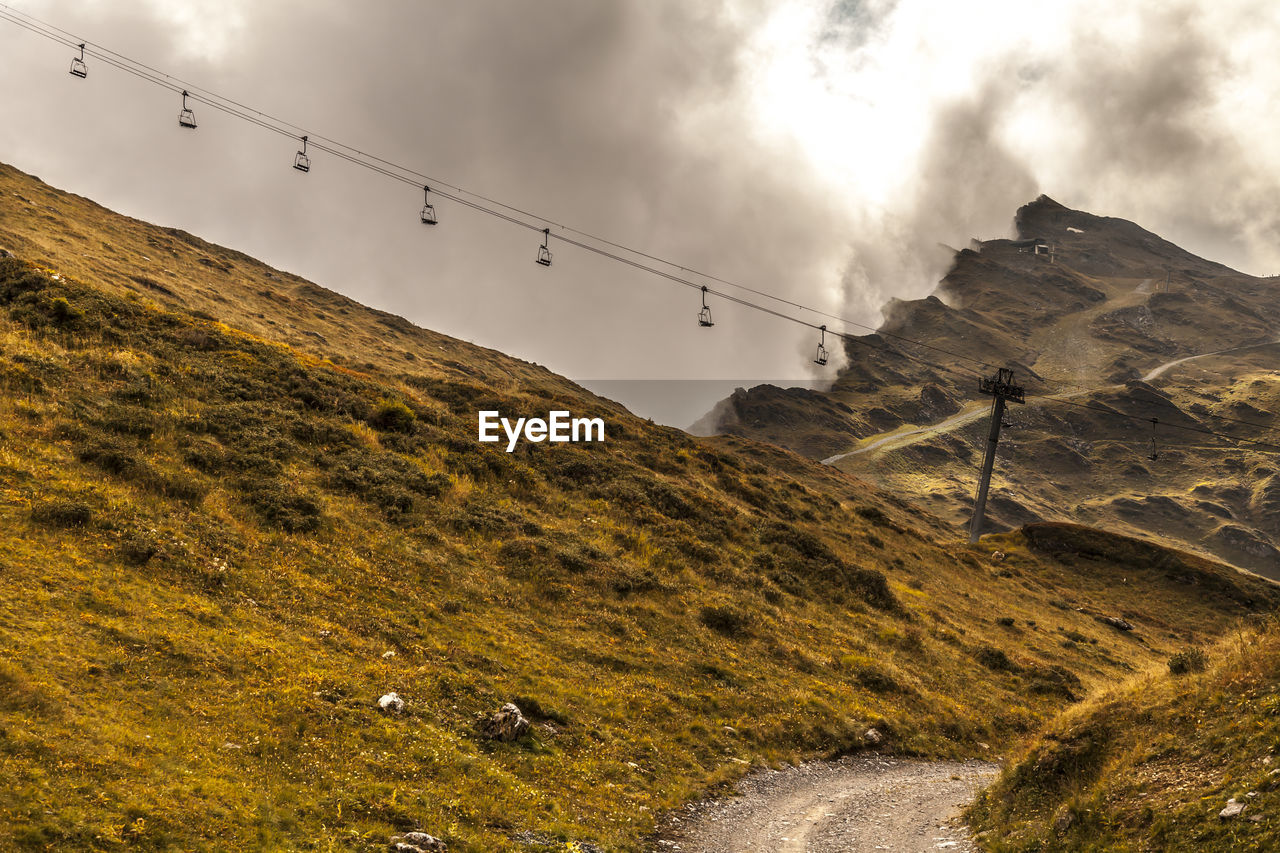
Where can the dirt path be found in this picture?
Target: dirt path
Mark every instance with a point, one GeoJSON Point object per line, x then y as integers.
{"type": "Point", "coordinates": [860, 803]}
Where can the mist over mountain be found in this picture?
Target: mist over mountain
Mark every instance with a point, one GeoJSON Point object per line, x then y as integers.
{"type": "Point", "coordinates": [1109, 327]}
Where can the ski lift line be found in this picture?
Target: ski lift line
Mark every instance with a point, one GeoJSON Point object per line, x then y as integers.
{"type": "Point", "coordinates": [409, 176]}
{"type": "Point", "coordinates": [1169, 404]}
{"type": "Point", "coordinates": [396, 172]}
{"type": "Point", "coordinates": [1182, 427]}
{"type": "Point", "coordinates": [266, 120]}
{"type": "Point", "coordinates": [403, 174]}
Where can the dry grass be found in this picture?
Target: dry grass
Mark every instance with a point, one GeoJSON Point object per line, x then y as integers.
{"type": "Point", "coordinates": [1148, 765]}
{"type": "Point", "coordinates": [211, 540]}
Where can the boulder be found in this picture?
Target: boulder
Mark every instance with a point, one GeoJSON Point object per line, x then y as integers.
{"type": "Point", "coordinates": [873, 737]}
{"type": "Point", "coordinates": [1116, 622]}
{"type": "Point", "coordinates": [506, 723]}
{"type": "Point", "coordinates": [391, 703]}
{"type": "Point", "coordinates": [1232, 809]}
{"type": "Point", "coordinates": [417, 842]}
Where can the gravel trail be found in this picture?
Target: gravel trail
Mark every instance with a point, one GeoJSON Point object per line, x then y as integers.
{"type": "Point", "coordinates": [859, 803]}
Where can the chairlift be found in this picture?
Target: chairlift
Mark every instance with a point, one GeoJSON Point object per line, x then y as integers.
{"type": "Point", "coordinates": [820, 357]}
{"type": "Point", "coordinates": [704, 316]}
{"type": "Point", "coordinates": [186, 118]}
{"type": "Point", "coordinates": [428, 210]}
{"type": "Point", "coordinates": [301, 161]}
{"type": "Point", "coordinates": [544, 253]}
{"type": "Point", "coordinates": [1155, 453]}
{"type": "Point", "coordinates": [78, 68]}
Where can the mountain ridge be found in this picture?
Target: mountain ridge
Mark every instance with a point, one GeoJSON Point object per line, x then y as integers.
{"type": "Point", "coordinates": [1104, 318]}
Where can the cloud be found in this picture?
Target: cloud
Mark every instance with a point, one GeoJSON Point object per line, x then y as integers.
{"type": "Point", "coordinates": [813, 149]}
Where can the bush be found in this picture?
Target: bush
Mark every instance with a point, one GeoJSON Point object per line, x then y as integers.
{"type": "Point", "coordinates": [62, 513]}
{"type": "Point", "coordinates": [1187, 661]}
{"type": "Point", "coordinates": [876, 680]}
{"type": "Point", "coordinates": [109, 456]}
{"type": "Point", "coordinates": [993, 658]}
{"type": "Point", "coordinates": [285, 507]}
{"type": "Point", "coordinates": [725, 620]}
{"type": "Point", "coordinates": [392, 416]}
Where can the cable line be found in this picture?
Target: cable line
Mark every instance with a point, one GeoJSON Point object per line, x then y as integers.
{"type": "Point", "coordinates": [405, 174]}
{"type": "Point", "coordinates": [531, 221]}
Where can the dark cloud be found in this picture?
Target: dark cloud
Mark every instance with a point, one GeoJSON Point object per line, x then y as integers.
{"type": "Point", "coordinates": [641, 121]}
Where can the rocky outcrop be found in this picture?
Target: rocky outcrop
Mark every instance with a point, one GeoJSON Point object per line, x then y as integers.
{"type": "Point", "coordinates": [506, 723]}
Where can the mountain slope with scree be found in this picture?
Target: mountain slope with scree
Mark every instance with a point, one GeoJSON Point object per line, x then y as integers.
{"type": "Point", "coordinates": [1108, 327]}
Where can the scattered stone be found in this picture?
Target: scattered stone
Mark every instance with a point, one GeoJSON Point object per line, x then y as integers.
{"type": "Point", "coordinates": [524, 836]}
{"type": "Point", "coordinates": [1232, 809]}
{"type": "Point", "coordinates": [873, 736]}
{"type": "Point", "coordinates": [1251, 794]}
{"type": "Point", "coordinates": [417, 842]}
{"type": "Point", "coordinates": [391, 703]}
{"type": "Point", "coordinates": [998, 556]}
{"type": "Point", "coordinates": [507, 723]}
{"type": "Point", "coordinates": [389, 654]}
{"type": "Point", "coordinates": [1116, 622]}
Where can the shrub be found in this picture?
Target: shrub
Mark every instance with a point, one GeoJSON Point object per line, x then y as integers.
{"type": "Point", "coordinates": [873, 514]}
{"type": "Point", "coordinates": [1187, 661]}
{"type": "Point", "coordinates": [62, 513]}
{"type": "Point", "coordinates": [283, 506]}
{"type": "Point", "coordinates": [110, 456]}
{"type": "Point", "coordinates": [392, 416]}
{"type": "Point", "coordinates": [138, 549]}
{"type": "Point", "coordinates": [63, 312]}
{"type": "Point", "coordinates": [993, 658]}
{"type": "Point", "coordinates": [876, 680]}
{"type": "Point", "coordinates": [726, 620]}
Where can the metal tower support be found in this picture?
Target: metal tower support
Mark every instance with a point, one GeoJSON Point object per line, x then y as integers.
{"type": "Point", "coordinates": [1000, 387]}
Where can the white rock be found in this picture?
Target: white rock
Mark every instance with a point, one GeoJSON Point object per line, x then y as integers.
{"type": "Point", "coordinates": [1232, 809]}
{"type": "Point", "coordinates": [420, 841]}
{"type": "Point", "coordinates": [391, 703]}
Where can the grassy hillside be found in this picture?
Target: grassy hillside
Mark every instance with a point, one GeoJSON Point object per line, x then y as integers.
{"type": "Point", "coordinates": [220, 548]}
{"type": "Point", "coordinates": [1149, 765]}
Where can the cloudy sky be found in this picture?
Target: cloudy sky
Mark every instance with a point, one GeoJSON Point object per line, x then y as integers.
{"type": "Point", "coordinates": [813, 149]}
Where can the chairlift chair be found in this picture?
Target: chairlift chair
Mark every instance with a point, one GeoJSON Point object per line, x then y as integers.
{"type": "Point", "coordinates": [428, 210]}
{"type": "Point", "coordinates": [704, 316]}
{"type": "Point", "coordinates": [820, 358]}
{"type": "Point", "coordinates": [186, 118]}
{"type": "Point", "coordinates": [544, 253]}
{"type": "Point", "coordinates": [301, 161]}
{"type": "Point", "coordinates": [1155, 453]}
{"type": "Point", "coordinates": [78, 68]}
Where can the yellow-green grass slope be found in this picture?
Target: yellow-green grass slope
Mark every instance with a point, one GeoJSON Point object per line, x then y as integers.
{"type": "Point", "coordinates": [1149, 765]}
{"type": "Point", "coordinates": [212, 540]}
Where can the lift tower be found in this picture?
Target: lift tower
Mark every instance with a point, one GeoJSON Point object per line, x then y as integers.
{"type": "Point", "coordinates": [1000, 387]}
